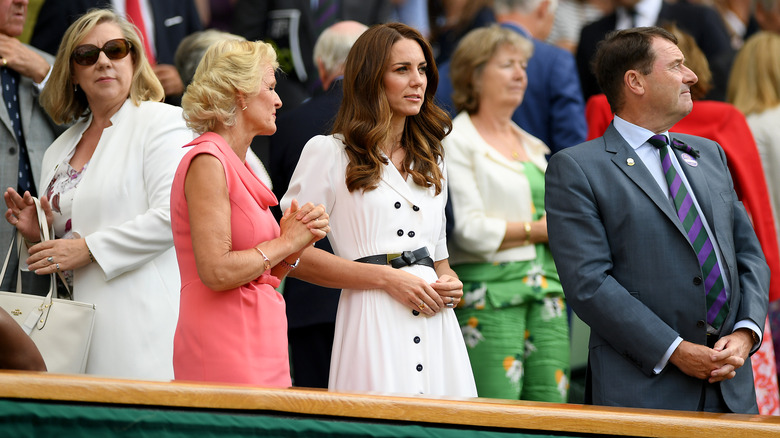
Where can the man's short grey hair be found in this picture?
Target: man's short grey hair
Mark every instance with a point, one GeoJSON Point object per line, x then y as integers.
{"type": "Point", "coordinates": [768, 5]}
{"type": "Point", "coordinates": [192, 48]}
{"type": "Point", "coordinates": [333, 45]}
{"type": "Point", "coordinates": [523, 6]}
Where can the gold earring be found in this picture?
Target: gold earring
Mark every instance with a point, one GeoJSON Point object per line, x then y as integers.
{"type": "Point", "coordinates": [244, 108]}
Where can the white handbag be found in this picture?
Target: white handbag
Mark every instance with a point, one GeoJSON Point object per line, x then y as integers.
{"type": "Point", "coordinates": [61, 329]}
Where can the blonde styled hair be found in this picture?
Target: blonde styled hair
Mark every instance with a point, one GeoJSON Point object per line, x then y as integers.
{"type": "Point", "coordinates": [754, 83]}
{"type": "Point", "coordinates": [62, 101]}
{"type": "Point", "coordinates": [228, 68]}
{"type": "Point", "coordinates": [468, 61]}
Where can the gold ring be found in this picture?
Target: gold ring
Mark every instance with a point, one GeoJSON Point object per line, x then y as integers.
{"type": "Point", "coordinates": [5, 62]}
{"type": "Point", "coordinates": [421, 305]}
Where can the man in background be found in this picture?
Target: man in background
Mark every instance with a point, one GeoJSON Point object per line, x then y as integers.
{"type": "Point", "coordinates": [553, 109]}
{"type": "Point", "coordinates": [25, 129]}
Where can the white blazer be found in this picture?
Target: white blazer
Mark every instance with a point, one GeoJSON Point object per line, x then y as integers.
{"type": "Point", "coordinates": [487, 190]}
{"type": "Point", "coordinates": [122, 208]}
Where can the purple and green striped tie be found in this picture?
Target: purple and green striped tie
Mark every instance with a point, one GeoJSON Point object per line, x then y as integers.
{"type": "Point", "coordinates": [717, 304]}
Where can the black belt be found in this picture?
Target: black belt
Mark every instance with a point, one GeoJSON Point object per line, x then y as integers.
{"type": "Point", "coordinates": [399, 260]}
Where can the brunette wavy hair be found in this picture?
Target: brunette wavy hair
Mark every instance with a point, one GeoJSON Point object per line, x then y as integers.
{"type": "Point", "coordinates": [364, 116]}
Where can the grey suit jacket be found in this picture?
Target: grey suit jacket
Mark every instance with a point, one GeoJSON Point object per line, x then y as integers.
{"type": "Point", "coordinates": [629, 271]}
{"type": "Point", "coordinates": [39, 132]}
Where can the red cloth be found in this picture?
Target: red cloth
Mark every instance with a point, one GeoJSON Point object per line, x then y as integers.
{"type": "Point", "coordinates": [724, 124]}
{"type": "Point", "coordinates": [134, 14]}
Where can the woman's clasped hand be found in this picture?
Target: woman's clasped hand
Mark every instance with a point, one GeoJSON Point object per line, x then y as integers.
{"type": "Point", "coordinates": [302, 226]}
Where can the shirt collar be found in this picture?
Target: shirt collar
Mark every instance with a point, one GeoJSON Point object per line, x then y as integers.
{"type": "Point", "coordinates": [647, 12]}
{"type": "Point", "coordinates": [634, 135]}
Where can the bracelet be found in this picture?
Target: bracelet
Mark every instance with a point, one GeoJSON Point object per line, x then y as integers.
{"type": "Point", "coordinates": [288, 266]}
{"type": "Point", "coordinates": [527, 227]}
{"type": "Point", "coordinates": [91, 257]}
{"type": "Point", "coordinates": [266, 261]}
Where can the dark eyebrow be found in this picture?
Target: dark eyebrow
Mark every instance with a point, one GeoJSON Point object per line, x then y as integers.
{"type": "Point", "coordinates": [409, 63]}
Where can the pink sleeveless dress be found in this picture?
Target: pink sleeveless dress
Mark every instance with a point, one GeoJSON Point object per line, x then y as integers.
{"type": "Point", "coordinates": [238, 335]}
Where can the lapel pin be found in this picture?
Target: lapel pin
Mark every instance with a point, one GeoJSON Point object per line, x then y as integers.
{"type": "Point", "coordinates": [630, 161]}
{"type": "Point", "coordinates": [689, 160]}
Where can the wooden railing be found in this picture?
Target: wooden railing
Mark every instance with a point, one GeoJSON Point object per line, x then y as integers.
{"type": "Point", "coordinates": [467, 413]}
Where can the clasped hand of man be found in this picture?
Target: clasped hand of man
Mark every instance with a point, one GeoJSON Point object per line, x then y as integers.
{"type": "Point", "coordinates": [714, 364]}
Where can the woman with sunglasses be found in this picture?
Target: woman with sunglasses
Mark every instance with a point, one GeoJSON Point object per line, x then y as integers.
{"type": "Point", "coordinates": [106, 188]}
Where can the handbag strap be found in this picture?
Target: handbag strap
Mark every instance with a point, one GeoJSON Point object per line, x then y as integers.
{"type": "Point", "coordinates": [16, 242]}
{"type": "Point", "coordinates": [45, 234]}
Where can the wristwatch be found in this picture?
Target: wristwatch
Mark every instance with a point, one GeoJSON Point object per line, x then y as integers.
{"type": "Point", "coordinates": [756, 339]}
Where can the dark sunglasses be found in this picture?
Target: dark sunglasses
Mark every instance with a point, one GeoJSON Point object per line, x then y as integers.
{"type": "Point", "coordinates": [88, 54]}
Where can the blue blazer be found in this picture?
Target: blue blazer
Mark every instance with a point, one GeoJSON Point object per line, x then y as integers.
{"type": "Point", "coordinates": [629, 271]}
{"type": "Point", "coordinates": [553, 109]}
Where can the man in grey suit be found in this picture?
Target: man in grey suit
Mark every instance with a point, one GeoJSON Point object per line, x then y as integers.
{"type": "Point", "coordinates": [24, 140]}
{"type": "Point", "coordinates": [659, 337]}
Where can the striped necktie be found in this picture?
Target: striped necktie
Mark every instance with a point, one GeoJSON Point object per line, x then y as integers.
{"type": "Point", "coordinates": [717, 304]}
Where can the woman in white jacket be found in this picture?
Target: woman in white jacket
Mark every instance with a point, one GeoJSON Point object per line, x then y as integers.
{"type": "Point", "coordinates": [512, 315]}
{"type": "Point", "coordinates": [107, 184]}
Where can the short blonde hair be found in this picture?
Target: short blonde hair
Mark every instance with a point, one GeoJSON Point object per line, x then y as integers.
{"type": "Point", "coordinates": [754, 83]}
{"type": "Point", "coordinates": [470, 57]}
{"type": "Point", "coordinates": [228, 68]}
{"type": "Point", "coordinates": [59, 98]}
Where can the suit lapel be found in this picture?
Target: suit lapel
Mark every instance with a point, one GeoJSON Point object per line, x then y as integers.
{"type": "Point", "coordinates": [6, 119]}
{"type": "Point", "coordinates": [25, 95]}
{"type": "Point", "coordinates": [638, 174]}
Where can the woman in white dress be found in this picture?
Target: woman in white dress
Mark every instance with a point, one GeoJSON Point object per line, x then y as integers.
{"type": "Point", "coordinates": [381, 178]}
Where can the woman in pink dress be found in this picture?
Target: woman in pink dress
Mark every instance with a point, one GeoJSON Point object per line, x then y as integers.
{"type": "Point", "coordinates": [232, 255]}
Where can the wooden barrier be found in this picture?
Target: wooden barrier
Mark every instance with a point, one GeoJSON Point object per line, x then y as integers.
{"type": "Point", "coordinates": [474, 414]}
